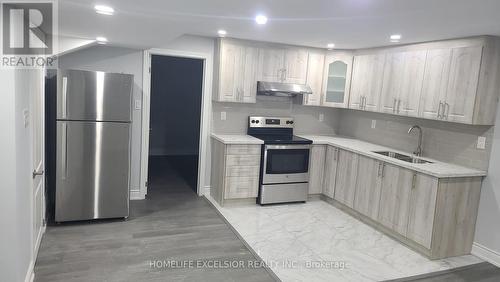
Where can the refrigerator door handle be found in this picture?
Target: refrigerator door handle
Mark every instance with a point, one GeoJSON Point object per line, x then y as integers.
{"type": "Point", "coordinates": [64, 150]}
{"type": "Point", "coordinates": [64, 95]}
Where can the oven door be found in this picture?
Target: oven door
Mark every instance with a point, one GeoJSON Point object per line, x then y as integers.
{"type": "Point", "coordinates": [285, 164]}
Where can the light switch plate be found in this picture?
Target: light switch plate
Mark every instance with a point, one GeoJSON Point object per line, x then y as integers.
{"type": "Point", "coordinates": [481, 142]}
{"type": "Point", "coordinates": [222, 115]}
{"type": "Point", "coordinates": [374, 123]}
{"type": "Point", "coordinates": [138, 104]}
{"type": "Point", "coordinates": [321, 117]}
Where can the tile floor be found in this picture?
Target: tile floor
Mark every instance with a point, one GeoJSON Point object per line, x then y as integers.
{"type": "Point", "coordinates": [295, 239]}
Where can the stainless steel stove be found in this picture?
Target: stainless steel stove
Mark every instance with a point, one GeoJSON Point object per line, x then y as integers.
{"type": "Point", "coordinates": [284, 175]}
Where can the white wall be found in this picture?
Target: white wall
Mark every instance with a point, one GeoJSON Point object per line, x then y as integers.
{"type": "Point", "coordinates": [118, 59]}
{"type": "Point", "coordinates": [488, 221]}
{"type": "Point", "coordinates": [16, 204]}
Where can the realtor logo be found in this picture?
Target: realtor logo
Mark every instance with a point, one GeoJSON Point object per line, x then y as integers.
{"type": "Point", "coordinates": [28, 33]}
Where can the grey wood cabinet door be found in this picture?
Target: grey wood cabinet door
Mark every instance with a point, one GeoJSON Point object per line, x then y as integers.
{"type": "Point", "coordinates": [368, 187]}
{"type": "Point", "coordinates": [462, 84]}
{"type": "Point", "coordinates": [422, 208]}
{"type": "Point", "coordinates": [316, 168]}
{"type": "Point", "coordinates": [345, 182]}
{"type": "Point", "coordinates": [394, 198]}
{"type": "Point", "coordinates": [330, 171]}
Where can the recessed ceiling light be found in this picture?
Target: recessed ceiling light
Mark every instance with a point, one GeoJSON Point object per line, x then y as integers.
{"type": "Point", "coordinates": [221, 32]}
{"type": "Point", "coordinates": [101, 40]}
{"type": "Point", "coordinates": [104, 10]}
{"type": "Point", "coordinates": [330, 46]}
{"type": "Point", "coordinates": [395, 37]}
{"type": "Point", "coordinates": [261, 19]}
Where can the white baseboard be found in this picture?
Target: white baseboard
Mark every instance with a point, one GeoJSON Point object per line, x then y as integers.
{"type": "Point", "coordinates": [205, 190]}
{"type": "Point", "coordinates": [486, 254]}
{"type": "Point", "coordinates": [30, 274]}
{"type": "Point", "coordinates": [137, 195]}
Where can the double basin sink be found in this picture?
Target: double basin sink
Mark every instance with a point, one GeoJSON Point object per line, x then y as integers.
{"type": "Point", "coordinates": [402, 157]}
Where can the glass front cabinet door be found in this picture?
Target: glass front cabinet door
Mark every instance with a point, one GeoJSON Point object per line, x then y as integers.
{"type": "Point", "coordinates": [338, 68]}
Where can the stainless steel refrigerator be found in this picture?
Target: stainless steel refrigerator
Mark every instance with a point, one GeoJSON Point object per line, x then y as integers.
{"type": "Point", "coordinates": [93, 145]}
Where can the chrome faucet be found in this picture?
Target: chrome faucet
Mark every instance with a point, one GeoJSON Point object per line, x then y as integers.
{"type": "Point", "coordinates": [417, 152]}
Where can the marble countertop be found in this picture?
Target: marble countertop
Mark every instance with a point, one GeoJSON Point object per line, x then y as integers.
{"type": "Point", "coordinates": [241, 139]}
{"type": "Point", "coordinates": [436, 168]}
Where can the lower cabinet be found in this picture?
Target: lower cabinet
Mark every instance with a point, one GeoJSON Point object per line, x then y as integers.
{"type": "Point", "coordinates": [317, 168]}
{"type": "Point", "coordinates": [394, 197]}
{"type": "Point", "coordinates": [345, 180]}
{"type": "Point", "coordinates": [368, 187]}
{"type": "Point", "coordinates": [435, 216]}
{"type": "Point", "coordinates": [330, 171]}
{"type": "Point", "coordinates": [235, 171]}
{"type": "Point", "coordinates": [422, 209]}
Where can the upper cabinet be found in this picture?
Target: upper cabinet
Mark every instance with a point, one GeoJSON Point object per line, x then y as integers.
{"type": "Point", "coordinates": [287, 65]}
{"type": "Point", "coordinates": [314, 78]}
{"type": "Point", "coordinates": [271, 64]}
{"type": "Point", "coordinates": [366, 85]}
{"type": "Point", "coordinates": [402, 84]}
{"type": "Point", "coordinates": [337, 80]}
{"type": "Point", "coordinates": [452, 80]}
{"type": "Point", "coordinates": [235, 72]}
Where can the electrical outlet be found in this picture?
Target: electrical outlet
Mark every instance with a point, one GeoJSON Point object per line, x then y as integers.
{"type": "Point", "coordinates": [374, 123]}
{"type": "Point", "coordinates": [321, 117]}
{"type": "Point", "coordinates": [481, 142]}
{"type": "Point", "coordinates": [222, 115]}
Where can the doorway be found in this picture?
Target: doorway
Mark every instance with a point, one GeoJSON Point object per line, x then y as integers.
{"type": "Point", "coordinates": [175, 115]}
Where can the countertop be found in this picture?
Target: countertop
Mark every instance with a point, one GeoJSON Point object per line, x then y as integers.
{"type": "Point", "coordinates": [436, 168]}
{"type": "Point", "coordinates": [241, 139]}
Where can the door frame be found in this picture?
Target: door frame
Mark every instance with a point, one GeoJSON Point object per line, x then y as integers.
{"type": "Point", "coordinates": [205, 119]}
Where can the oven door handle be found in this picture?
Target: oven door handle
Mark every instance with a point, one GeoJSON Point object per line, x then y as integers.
{"type": "Point", "coordinates": [287, 147]}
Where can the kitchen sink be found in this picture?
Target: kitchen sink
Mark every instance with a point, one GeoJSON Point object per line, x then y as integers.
{"type": "Point", "coordinates": [402, 157]}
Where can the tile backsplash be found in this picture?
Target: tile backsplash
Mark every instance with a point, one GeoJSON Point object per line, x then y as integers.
{"type": "Point", "coordinates": [306, 117]}
{"type": "Point", "coordinates": [444, 141]}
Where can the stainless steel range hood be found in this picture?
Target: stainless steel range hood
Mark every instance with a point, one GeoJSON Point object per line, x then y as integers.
{"type": "Point", "coordinates": [282, 89]}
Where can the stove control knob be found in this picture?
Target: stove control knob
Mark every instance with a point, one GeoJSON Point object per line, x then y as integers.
{"type": "Point", "coordinates": [253, 121]}
{"type": "Point", "coordinates": [291, 122]}
{"type": "Point", "coordinates": [257, 121]}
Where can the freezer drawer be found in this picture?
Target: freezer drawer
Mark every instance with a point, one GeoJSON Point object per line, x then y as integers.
{"type": "Point", "coordinates": [88, 95]}
{"type": "Point", "coordinates": [92, 171]}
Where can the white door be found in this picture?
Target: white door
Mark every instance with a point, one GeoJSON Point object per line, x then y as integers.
{"type": "Point", "coordinates": [296, 65]}
{"type": "Point", "coordinates": [271, 64]}
{"type": "Point", "coordinates": [437, 71]}
{"type": "Point", "coordinates": [411, 84]}
{"type": "Point", "coordinates": [37, 85]}
{"type": "Point", "coordinates": [392, 85]}
{"type": "Point", "coordinates": [315, 78]}
{"type": "Point", "coordinates": [462, 85]}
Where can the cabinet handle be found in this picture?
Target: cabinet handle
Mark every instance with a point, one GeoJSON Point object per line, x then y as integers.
{"type": "Point", "coordinates": [64, 97]}
{"type": "Point", "coordinates": [446, 110]}
{"type": "Point", "coordinates": [361, 102]}
{"type": "Point", "coordinates": [394, 105]}
{"type": "Point", "coordinates": [284, 74]}
{"type": "Point", "coordinates": [37, 173]}
{"type": "Point", "coordinates": [413, 181]}
{"type": "Point", "coordinates": [379, 174]}
{"type": "Point", "coordinates": [383, 170]}
{"type": "Point", "coordinates": [364, 102]}
{"type": "Point", "coordinates": [399, 105]}
{"type": "Point", "coordinates": [439, 109]}
{"type": "Point", "coordinates": [335, 155]}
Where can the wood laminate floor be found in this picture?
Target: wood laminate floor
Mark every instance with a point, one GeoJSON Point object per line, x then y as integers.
{"type": "Point", "coordinates": [481, 272]}
{"type": "Point", "coordinates": [172, 224]}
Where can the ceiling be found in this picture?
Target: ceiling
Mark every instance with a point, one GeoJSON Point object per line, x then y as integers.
{"type": "Point", "coordinates": [347, 23]}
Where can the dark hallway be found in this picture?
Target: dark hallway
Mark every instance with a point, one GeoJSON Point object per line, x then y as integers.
{"type": "Point", "coordinates": [176, 94]}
